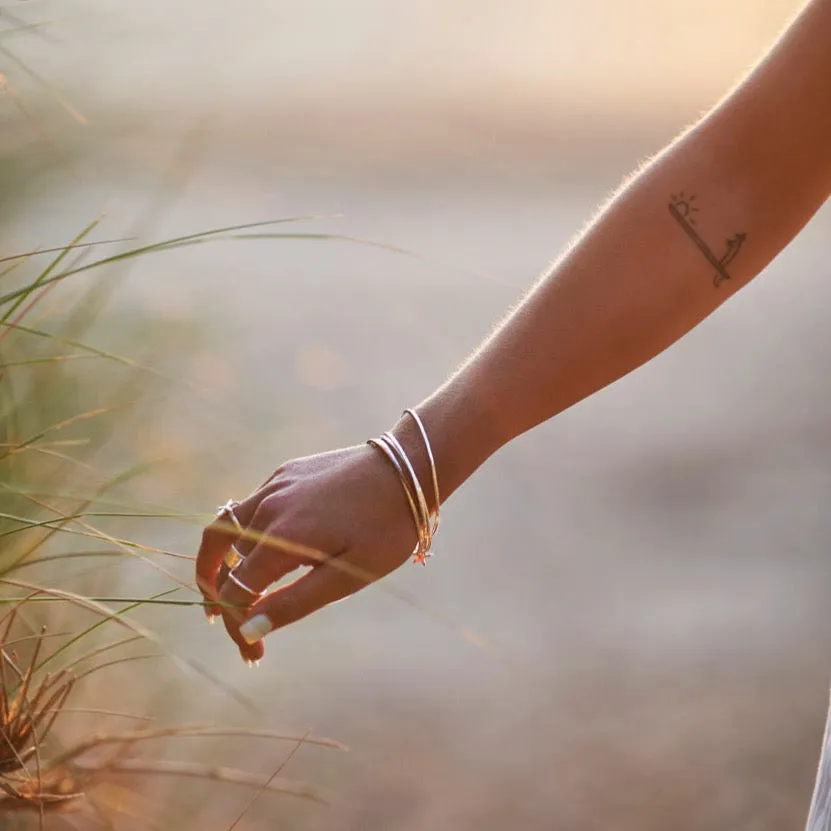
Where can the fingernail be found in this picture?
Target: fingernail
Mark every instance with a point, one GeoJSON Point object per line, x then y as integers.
{"type": "Point", "coordinates": [212, 619]}
{"type": "Point", "coordinates": [250, 663]}
{"type": "Point", "coordinates": [256, 628]}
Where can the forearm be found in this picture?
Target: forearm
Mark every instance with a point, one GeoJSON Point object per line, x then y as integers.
{"type": "Point", "coordinates": [694, 226]}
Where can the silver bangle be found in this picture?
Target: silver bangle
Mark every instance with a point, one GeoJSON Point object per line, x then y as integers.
{"type": "Point", "coordinates": [426, 523]}
{"type": "Point", "coordinates": [422, 502]}
{"type": "Point", "coordinates": [417, 419]}
{"type": "Point", "coordinates": [420, 552]}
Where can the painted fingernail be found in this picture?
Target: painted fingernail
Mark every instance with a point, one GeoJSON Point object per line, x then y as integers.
{"type": "Point", "coordinates": [256, 628]}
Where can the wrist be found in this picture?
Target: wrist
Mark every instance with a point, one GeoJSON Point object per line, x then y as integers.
{"type": "Point", "coordinates": [462, 436]}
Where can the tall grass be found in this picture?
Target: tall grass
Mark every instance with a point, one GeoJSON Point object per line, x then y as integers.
{"type": "Point", "coordinates": [70, 471]}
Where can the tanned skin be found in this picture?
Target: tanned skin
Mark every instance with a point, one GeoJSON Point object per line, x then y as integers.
{"type": "Point", "coordinates": [681, 237]}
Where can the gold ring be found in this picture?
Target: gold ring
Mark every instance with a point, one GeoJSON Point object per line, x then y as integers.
{"type": "Point", "coordinates": [233, 558]}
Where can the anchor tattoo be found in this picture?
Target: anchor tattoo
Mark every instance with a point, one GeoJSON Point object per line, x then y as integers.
{"type": "Point", "coordinates": [682, 208]}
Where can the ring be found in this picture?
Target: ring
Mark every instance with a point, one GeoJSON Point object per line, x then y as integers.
{"type": "Point", "coordinates": [227, 510]}
{"type": "Point", "coordinates": [234, 579]}
{"type": "Point", "coordinates": [233, 558]}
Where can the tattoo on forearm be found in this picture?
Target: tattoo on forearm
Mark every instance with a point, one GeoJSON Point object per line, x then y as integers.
{"type": "Point", "coordinates": [682, 208]}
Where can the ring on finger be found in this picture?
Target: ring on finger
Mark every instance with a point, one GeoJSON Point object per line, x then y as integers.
{"type": "Point", "coordinates": [236, 581]}
{"type": "Point", "coordinates": [226, 511]}
{"type": "Point", "coordinates": [233, 557]}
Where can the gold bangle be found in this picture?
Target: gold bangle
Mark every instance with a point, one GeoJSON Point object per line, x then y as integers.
{"type": "Point", "coordinates": [419, 552]}
{"type": "Point", "coordinates": [383, 445]}
{"type": "Point", "coordinates": [422, 502]}
{"type": "Point", "coordinates": [420, 424]}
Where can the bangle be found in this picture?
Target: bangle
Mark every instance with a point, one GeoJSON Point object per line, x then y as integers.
{"type": "Point", "coordinates": [422, 549]}
{"type": "Point", "coordinates": [424, 511]}
{"type": "Point", "coordinates": [426, 523]}
{"type": "Point", "coordinates": [417, 419]}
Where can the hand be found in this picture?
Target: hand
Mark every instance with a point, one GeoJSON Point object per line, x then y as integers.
{"type": "Point", "coordinates": [344, 514]}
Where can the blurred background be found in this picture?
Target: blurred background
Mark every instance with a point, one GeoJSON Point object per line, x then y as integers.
{"type": "Point", "coordinates": [624, 622]}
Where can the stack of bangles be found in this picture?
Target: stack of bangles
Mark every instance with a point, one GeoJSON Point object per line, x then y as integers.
{"type": "Point", "coordinates": [426, 523]}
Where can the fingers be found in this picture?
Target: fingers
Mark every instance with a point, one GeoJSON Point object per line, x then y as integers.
{"type": "Point", "coordinates": [256, 514]}
{"type": "Point", "coordinates": [337, 578]}
{"type": "Point", "coordinates": [236, 606]}
{"type": "Point", "coordinates": [265, 565]}
{"type": "Point", "coordinates": [255, 533]}
{"type": "Point", "coordinates": [215, 544]}
{"type": "Point", "coordinates": [257, 523]}
{"type": "Point", "coordinates": [217, 540]}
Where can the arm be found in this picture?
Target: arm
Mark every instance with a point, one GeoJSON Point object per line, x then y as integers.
{"type": "Point", "coordinates": [744, 180]}
{"type": "Point", "coordinates": [690, 229]}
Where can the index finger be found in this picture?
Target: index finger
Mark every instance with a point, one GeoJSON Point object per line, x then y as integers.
{"type": "Point", "coordinates": [217, 539]}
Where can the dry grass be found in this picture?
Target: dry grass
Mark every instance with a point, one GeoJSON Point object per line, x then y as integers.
{"type": "Point", "coordinates": [63, 510]}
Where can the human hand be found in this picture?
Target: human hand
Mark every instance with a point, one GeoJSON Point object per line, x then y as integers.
{"type": "Point", "coordinates": [343, 513]}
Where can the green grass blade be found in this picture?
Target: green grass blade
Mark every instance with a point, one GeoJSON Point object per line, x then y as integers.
{"type": "Point", "coordinates": [165, 245]}
{"type": "Point", "coordinates": [42, 279]}
{"type": "Point", "coordinates": [27, 255]}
